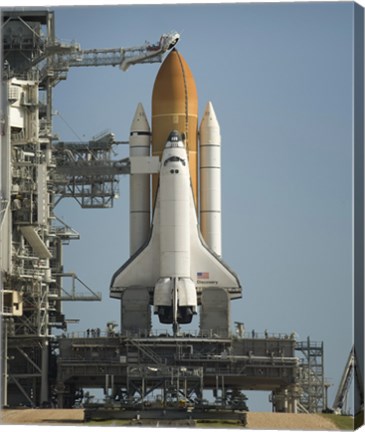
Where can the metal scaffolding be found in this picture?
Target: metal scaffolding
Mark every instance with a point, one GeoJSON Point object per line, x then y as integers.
{"type": "Point", "coordinates": [130, 368]}
{"type": "Point", "coordinates": [36, 172]}
{"type": "Point", "coordinates": [311, 377]}
{"type": "Point", "coordinates": [31, 304]}
{"type": "Point", "coordinates": [87, 172]}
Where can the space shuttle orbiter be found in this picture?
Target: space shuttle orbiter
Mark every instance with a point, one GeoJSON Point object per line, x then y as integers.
{"type": "Point", "coordinates": [175, 264]}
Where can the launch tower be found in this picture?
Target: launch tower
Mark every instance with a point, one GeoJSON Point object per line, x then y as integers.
{"type": "Point", "coordinates": [37, 171]}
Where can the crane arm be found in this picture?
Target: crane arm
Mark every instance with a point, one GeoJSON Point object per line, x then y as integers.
{"type": "Point", "coordinates": [122, 57]}
{"type": "Point", "coordinates": [61, 57]}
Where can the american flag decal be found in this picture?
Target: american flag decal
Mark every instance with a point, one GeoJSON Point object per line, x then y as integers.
{"type": "Point", "coordinates": [202, 275]}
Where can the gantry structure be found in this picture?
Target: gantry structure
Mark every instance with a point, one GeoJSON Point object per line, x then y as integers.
{"type": "Point", "coordinates": [37, 171]}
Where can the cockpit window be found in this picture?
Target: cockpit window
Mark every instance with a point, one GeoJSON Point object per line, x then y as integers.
{"type": "Point", "coordinates": [175, 139]}
{"type": "Point", "coordinates": [174, 159]}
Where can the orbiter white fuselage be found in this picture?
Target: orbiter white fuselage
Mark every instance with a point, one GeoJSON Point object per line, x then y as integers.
{"type": "Point", "coordinates": [175, 264]}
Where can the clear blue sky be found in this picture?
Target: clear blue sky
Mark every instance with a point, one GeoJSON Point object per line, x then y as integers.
{"type": "Point", "coordinates": [280, 79]}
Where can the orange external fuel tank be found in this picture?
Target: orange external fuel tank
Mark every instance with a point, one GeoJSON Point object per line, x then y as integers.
{"type": "Point", "coordinates": [175, 107]}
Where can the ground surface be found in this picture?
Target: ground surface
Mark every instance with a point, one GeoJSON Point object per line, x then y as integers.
{"type": "Point", "coordinates": [42, 416]}
{"type": "Point", "coordinates": [255, 420]}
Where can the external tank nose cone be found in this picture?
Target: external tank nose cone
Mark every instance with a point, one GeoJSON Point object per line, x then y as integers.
{"type": "Point", "coordinates": [174, 90]}
{"type": "Point", "coordinates": [175, 107]}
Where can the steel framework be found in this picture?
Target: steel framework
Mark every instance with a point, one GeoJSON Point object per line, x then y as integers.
{"type": "Point", "coordinates": [36, 173]}
{"type": "Point", "coordinates": [130, 368]}
{"type": "Point", "coordinates": [311, 376]}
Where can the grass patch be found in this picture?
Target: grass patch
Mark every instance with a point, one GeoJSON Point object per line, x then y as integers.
{"type": "Point", "coordinates": [342, 422]}
{"type": "Point", "coordinates": [359, 419]}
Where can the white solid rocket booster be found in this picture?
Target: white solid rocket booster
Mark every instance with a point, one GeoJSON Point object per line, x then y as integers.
{"type": "Point", "coordinates": [210, 180]}
{"type": "Point", "coordinates": [139, 186]}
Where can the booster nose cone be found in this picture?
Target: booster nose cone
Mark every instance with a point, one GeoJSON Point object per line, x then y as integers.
{"type": "Point", "coordinates": [209, 127]}
{"type": "Point", "coordinates": [175, 107]}
{"type": "Point", "coordinates": [140, 123]}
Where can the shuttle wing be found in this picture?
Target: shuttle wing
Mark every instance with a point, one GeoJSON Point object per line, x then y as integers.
{"type": "Point", "coordinates": [143, 268]}
{"type": "Point", "coordinates": [207, 269]}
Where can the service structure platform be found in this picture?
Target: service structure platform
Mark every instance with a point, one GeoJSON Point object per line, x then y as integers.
{"type": "Point", "coordinates": [131, 367]}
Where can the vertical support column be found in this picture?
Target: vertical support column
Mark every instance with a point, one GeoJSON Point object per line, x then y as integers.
{"type": "Point", "coordinates": [5, 234]}
{"type": "Point", "coordinates": [164, 392]}
{"type": "Point", "coordinates": [143, 390]}
{"type": "Point", "coordinates": [112, 387]}
{"type": "Point", "coordinates": [293, 398]}
{"type": "Point", "coordinates": [201, 383]}
{"type": "Point", "coordinates": [280, 400]}
{"type": "Point", "coordinates": [109, 385]}
{"type": "Point", "coordinates": [178, 385]}
{"type": "Point", "coordinates": [4, 364]}
{"type": "Point", "coordinates": [44, 375]}
{"type": "Point", "coordinates": [5, 187]}
{"type": "Point", "coordinates": [128, 387]}
{"type": "Point", "coordinates": [223, 389]}
{"type": "Point", "coordinates": [106, 386]}
{"type": "Point", "coordinates": [60, 395]}
{"type": "Point", "coordinates": [51, 37]}
{"type": "Point", "coordinates": [286, 399]}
